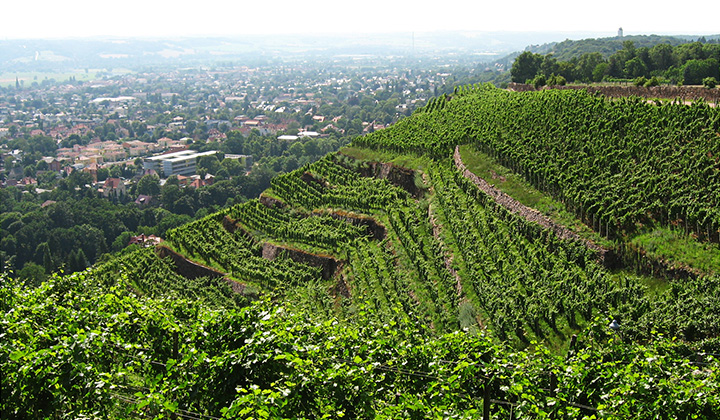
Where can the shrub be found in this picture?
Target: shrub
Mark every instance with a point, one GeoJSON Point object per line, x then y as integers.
{"type": "Point", "coordinates": [709, 82]}
{"type": "Point", "coordinates": [556, 80]}
{"type": "Point", "coordinates": [640, 81]}
{"type": "Point", "coordinates": [654, 81]}
{"type": "Point", "coordinates": [539, 81]}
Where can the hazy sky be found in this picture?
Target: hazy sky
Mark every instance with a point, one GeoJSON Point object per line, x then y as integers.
{"type": "Point", "coordinates": [137, 18]}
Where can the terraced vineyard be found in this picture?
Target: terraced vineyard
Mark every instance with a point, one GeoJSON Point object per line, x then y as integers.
{"type": "Point", "coordinates": [619, 164]}
{"type": "Point", "coordinates": [364, 289]}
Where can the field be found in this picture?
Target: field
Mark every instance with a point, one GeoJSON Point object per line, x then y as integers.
{"type": "Point", "coordinates": [28, 78]}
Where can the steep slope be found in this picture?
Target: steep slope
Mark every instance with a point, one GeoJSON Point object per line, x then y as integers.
{"type": "Point", "coordinates": [386, 284]}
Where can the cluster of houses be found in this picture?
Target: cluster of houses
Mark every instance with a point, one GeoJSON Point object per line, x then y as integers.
{"type": "Point", "coordinates": [178, 163]}
{"type": "Point", "coordinates": [99, 152]}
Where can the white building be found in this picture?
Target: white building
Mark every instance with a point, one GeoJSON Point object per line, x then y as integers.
{"type": "Point", "coordinates": [183, 162]}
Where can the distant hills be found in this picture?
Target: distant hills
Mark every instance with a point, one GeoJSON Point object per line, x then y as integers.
{"type": "Point", "coordinates": [83, 53]}
{"type": "Point", "coordinates": [569, 49]}
{"type": "Point", "coordinates": [67, 54]}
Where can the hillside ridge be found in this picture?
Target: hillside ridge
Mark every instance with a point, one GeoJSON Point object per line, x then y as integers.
{"type": "Point", "coordinates": [461, 297]}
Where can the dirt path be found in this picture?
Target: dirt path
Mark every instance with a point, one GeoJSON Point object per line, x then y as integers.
{"type": "Point", "coordinates": [526, 212]}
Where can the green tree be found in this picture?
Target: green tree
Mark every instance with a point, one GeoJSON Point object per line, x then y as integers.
{"type": "Point", "coordinates": [653, 81]}
{"type": "Point", "coordinates": [121, 241]}
{"type": "Point", "coordinates": [687, 52]}
{"type": "Point", "coordinates": [32, 274]}
{"type": "Point", "coordinates": [635, 67]}
{"type": "Point", "coordinates": [311, 148]}
{"type": "Point", "coordinates": [586, 66]}
{"type": "Point", "coordinates": [695, 71]}
{"type": "Point", "coordinates": [8, 244]}
{"type": "Point", "coordinates": [600, 71]}
{"type": "Point", "coordinates": [79, 179]}
{"type": "Point", "coordinates": [235, 142]}
{"type": "Point", "coordinates": [103, 174]}
{"type": "Point", "coordinates": [91, 241]}
{"type": "Point", "coordinates": [47, 258]}
{"type": "Point", "coordinates": [170, 194]}
{"type": "Point", "coordinates": [233, 167]}
{"type": "Point", "coordinates": [172, 180]}
{"type": "Point", "coordinates": [296, 149]}
{"type": "Point", "coordinates": [556, 80]}
{"type": "Point", "coordinates": [210, 164]}
{"type": "Point", "coordinates": [661, 57]}
{"type": "Point", "coordinates": [77, 261]}
{"type": "Point", "coordinates": [149, 185]}
{"type": "Point", "coordinates": [115, 171]}
{"type": "Point", "coordinates": [640, 81]}
{"type": "Point", "coordinates": [525, 67]}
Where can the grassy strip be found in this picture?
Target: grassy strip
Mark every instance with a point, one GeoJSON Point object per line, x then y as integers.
{"type": "Point", "coordinates": [402, 160]}
{"type": "Point", "coordinates": [514, 185]}
{"type": "Point", "coordinates": [678, 247]}
{"type": "Point", "coordinates": [661, 243]}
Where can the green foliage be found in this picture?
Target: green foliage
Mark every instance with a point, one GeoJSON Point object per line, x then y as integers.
{"type": "Point", "coordinates": [383, 292]}
{"type": "Point", "coordinates": [525, 67]}
{"type": "Point", "coordinates": [696, 70]}
{"type": "Point", "coordinates": [709, 82]}
{"type": "Point", "coordinates": [106, 354]}
{"type": "Point", "coordinates": [594, 60]}
{"type": "Point", "coordinates": [149, 185]}
{"type": "Point", "coordinates": [677, 247]}
{"type": "Point", "coordinates": [613, 149]}
{"type": "Point", "coordinates": [32, 274]}
{"type": "Point", "coordinates": [236, 254]}
{"type": "Point", "coordinates": [653, 81]}
{"type": "Point", "coordinates": [640, 81]}
{"type": "Point", "coordinates": [539, 81]}
{"type": "Point", "coordinates": [556, 80]}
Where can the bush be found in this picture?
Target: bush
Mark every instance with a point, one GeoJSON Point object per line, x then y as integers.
{"type": "Point", "coordinates": [654, 81]}
{"type": "Point", "coordinates": [556, 80]}
{"type": "Point", "coordinates": [709, 82]}
{"type": "Point", "coordinates": [539, 81]}
{"type": "Point", "coordinates": [640, 81]}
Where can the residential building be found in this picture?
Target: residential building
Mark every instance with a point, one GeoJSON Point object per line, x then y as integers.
{"type": "Point", "coordinates": [177, 163]}
{"type": "Point", "coordinates": [113, 187]}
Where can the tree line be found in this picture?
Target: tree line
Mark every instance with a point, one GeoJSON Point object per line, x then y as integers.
{"type": "Point", "coordinates": [689, 64]}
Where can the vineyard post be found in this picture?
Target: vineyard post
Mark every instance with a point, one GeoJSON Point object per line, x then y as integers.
{"type": "Point", "coordinates": [553, 388]}
{"type": "Point", "coordinates": [571, 347]}
{"type": "Point", "coordinates": [486, 400]}
{"type": "Point", "coordinates": [173, 415]}
{"type": "Point", "coordinates": [175, 345]}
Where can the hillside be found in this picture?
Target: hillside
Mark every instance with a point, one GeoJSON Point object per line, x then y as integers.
{"type": "Point", "coordinates": [664, 59]}
{"type": "Point", "coordinates": [569, 49]}
{"type": "Point", "coordinates": [386, 281]}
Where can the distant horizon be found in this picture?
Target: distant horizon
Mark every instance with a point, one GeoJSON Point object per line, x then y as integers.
{"type": "Point", "coordinates": [576, 35]}
{"type": "Point", "coordinates": [79, 19]}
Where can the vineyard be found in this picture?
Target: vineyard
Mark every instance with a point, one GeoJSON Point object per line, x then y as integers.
{"type": "Point", "coordinates": [619, 164]}
{"type": "Point", "coordinates": [363, 289]}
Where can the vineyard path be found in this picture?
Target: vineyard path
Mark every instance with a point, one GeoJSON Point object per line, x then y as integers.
{"type": "Point", "coordinates": [522, 210]}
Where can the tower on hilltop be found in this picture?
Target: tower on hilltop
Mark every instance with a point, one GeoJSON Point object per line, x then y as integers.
{"type": "Point", "coordinates": [620, 33]}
